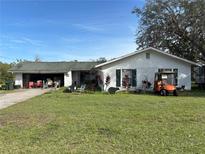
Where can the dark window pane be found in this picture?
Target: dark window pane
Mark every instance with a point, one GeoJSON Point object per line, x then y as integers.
{"type": "Point", "coordinates": [147, 55]}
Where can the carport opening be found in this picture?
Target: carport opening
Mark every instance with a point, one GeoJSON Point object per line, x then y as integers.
{"type": "Point", "coordinates": [43, 77]}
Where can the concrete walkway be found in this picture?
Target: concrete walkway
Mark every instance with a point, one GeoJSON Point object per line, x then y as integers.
{"type": "Point", "coordinates": [19, 96]}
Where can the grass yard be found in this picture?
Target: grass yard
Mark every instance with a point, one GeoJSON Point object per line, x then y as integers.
{"type": "Point", "coordinates": [98, 123]}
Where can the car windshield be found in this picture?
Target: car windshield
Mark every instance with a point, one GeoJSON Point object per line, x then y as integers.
{"type": "Point", "coordinates": [168, 78]}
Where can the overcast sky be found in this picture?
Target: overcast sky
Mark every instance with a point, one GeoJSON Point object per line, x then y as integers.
{"type": "Point", "coordinates": [67, 30]}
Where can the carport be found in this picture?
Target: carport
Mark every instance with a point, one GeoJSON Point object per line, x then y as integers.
{"type": "Point", "coordinates": [34, 77]}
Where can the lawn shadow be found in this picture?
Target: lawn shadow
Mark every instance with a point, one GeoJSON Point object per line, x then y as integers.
{"type": "Point", "coordinates": [192, 93]}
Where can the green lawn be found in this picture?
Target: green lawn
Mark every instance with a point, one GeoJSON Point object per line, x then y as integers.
{"type": "Point", "coordinates": [100, 123]}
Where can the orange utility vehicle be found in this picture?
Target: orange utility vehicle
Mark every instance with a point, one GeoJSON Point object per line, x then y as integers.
{"type": "Point", "coordinates": [164, 83]}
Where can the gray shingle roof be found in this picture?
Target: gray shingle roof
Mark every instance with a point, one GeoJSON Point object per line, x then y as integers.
{"type": "Point", "coordinates": [51, 67]}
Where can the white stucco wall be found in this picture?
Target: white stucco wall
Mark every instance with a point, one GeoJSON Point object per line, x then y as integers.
{"type": "Point", "coordinates": [68, 79]}
{"type": "Point", "coordinates": [19, 79]}
{"type": "Point", "coordinates": [146, 68]}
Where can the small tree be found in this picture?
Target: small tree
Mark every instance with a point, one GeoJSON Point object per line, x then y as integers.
{"type": "Point", "coordinates": [4, 74]}
{"type": "Point", "coordinates": [37, 58]}
{"type": "Point", "coordinates": [107, 81]}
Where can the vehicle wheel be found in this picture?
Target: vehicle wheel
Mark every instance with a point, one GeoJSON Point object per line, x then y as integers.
{"type": "Point", "coordinates": [175, 93]}
{"type": "Point", "coordinates": [163, 92]}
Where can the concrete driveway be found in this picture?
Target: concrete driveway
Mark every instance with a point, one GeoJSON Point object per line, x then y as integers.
{"type": "Point", "coordinates": [19, 96]}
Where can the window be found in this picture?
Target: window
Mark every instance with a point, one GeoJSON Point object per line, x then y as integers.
{"type": "Point", "coordinates": [129, 77]}
{"type": "Point", "coordinates": [147, 55]}
{"type": "Point", "coordinates": [118, 78]}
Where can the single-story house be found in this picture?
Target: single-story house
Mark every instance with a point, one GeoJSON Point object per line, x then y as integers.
{"type": "Point", "coordinates": [139, 66]}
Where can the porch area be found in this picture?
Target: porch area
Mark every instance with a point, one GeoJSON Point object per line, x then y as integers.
{"type": "Point", "coordinates": [88, 78]}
